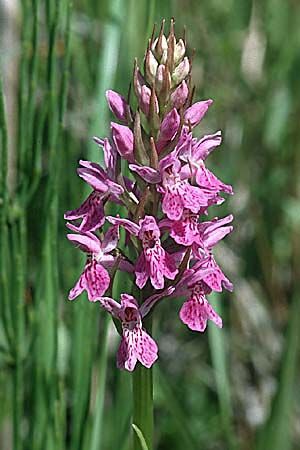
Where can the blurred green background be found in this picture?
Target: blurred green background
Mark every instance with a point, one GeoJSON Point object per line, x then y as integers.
{"type": "Point", "coordinates": [236, 388]}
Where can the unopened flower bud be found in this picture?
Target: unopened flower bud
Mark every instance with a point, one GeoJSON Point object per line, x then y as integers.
{"type": "Point", "coordinates": [195, 113]}
{"type": "Point", "coordinates": [123, 140]}
{"type": "Point", "coordinates": [144, 100]}
{"type": "Point", "coordinates": [179, 96]}
{"type": "Point", "coordinates": [181, 71]}
{"type": "Point", "coordinates": [160, 48]}
{"type": "Point", "coordinates": [179, 51]}
{"type": "Point", "coordinates": [117, 105]}
{"type": "Point", "coordinates": [169, 125]}
{"type": "Point", "coordinates": [168, 128]}
{"type": "Point", "coordinates": [150, 66]}
{"type": "Point", "coordinates": [140, 153]}
{"type": "Point", "coordinates": [138, 81]}
{"type": "Point", "coordinates": [159, 79]}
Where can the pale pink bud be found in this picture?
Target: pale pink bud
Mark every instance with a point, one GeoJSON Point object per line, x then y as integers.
{"type": "Point", "coordinates": [144, 100]}
{"type": "Point", "coordinates": [117, 104]}
{"type": "Point", "coordinates": [123, 140]}
{"type": "Point", "coordinates": [152, 66]}
{"type": "Point", "coordinates": [179, 96]}
{"type": "Point", "coordinates": [160, 49]}
{"type": "Point", "coordinates": [160, 74]}
{"type": "Point", "coordinates": [164, 57]}
{"type": "Point", "coordinates": [181, 71]}
{"type": "Point", "coordinates": [195, 113]}
{"type": "Point", "coordinates": [138, 82]}
{"type": "Point", "coordinates": [179, 51]}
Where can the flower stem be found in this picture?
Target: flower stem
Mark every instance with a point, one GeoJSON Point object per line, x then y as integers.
{"type": "Point", "coordinates": [142, 389]}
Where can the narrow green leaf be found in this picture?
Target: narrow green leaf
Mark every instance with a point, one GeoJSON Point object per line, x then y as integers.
{"type": "Point", "coordinates": [140, 437]}
{"type": "Point", "coordinates": [218, 348]}
{"type": "Point", "coordinates": [277, 434]}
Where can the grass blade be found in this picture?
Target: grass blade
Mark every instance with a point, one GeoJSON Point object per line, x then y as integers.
{"type": "Point", "coordinates": [218, 349]}
{"type": "Point", "coordinates": [278, 433]}
{"type": "Point", "coordinates": [140, 437]}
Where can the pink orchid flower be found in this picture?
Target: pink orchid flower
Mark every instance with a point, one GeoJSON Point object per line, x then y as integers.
{"type": "Point", "coordinates": [189, 230]}
{"type": "Point", "coordinates": [178, 194]}
{"type": "Point", "coordinates": [95, 278]}
{"type": "Point", "coordinates": [92, 209]}
{"type": "Point", "coordinates": [154, 262]}
{"type": "Point", "coordinates": [194, 155]}
{"type": "Point", "coordinates": [136, 344]}
{"type": "Point", "coordinates": [196, 310]}
{"type": "Point", "coordinates": [216, 280]}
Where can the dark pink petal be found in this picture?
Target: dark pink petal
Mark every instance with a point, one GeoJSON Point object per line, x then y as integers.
{"type": "Point", "coordinates": [92, 166]}
{"type": "Point", "coordinates": [195, 197]}
{"type": "Point", "coordinates": [191, 314]}
{"type": "Point", "coordinates": [213, 316]}
{"type": "Point", "coordinates": [195, 314]}
{"type": "Point", "coordinates": [146, 349]}
{"type": "Point", "coordinates": [196, 112]}
{"type": "Point", "coordinates": [147, 173]}
{"type": "Point", "coordinates": [141, 271]}
{"type": "Point", "coordinates": [110, 305]}
{"type": "Point", "coordinates": [199, 274]}
{"type": "Point", "coordinates": [217, 280]}
{"type": "Point", "coordinates": [92, 212]}
{"type": "Point", "coordinates": [94, 219]}
{"type": "Point", "coordinates": [95, 175]}
{"type": "Point", "coordinates": [85, 243]}
{"type": "Point", "coordinates": [78, 288]}
{"type": "Point", "coordinates": [117, 105]}
{"type": "Point", "coordinates": [126, 356]}
{"type": "Point", "coordinates": [155, 262]}
{"type": "Point", "coordinates": [79, 212]}
{"type": "Point", "coordinates": [211, 239]}
{"type": "Point", "coordinates": [172, 205]}
{"type": "Point", "coordinates": [206, 145]}
{"type": "Point", "coordinates": [186, 230]}
{"type": "Point", "coordinates": [216, 223]}
{"type": "Point", "coordinates": [129, 226]}
{"type": "Point", "coordinates": [207, 180]}
{"type": "Point", "coordinates": [123, 140]}
{"type": "Point", "coordinates": [92, 178]}
{"type": "Point", "coordinates": [96, 280]}
{"type": "Point", "coordinates": [156, 275]}
{"type": "Point", "coordinates": [110, 158]}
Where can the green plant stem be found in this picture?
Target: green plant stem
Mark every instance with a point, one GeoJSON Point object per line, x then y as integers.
{"type": "Point", "coordinates": [97, 431]}
{"type": "Point", "coordinates": [142, 390]}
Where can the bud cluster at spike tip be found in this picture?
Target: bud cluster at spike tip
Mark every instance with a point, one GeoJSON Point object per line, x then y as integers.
{"type": "Point", "coordinates": [166, 196]}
